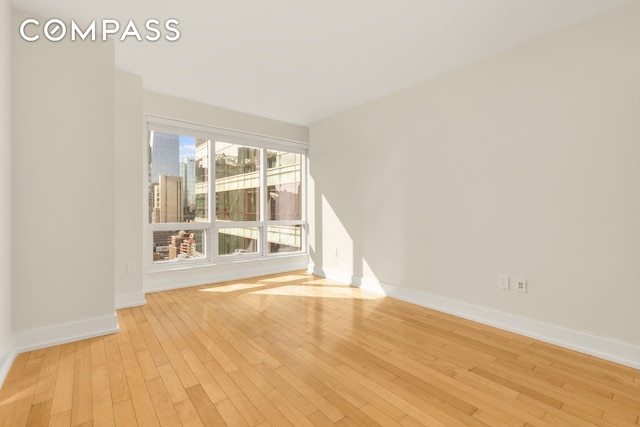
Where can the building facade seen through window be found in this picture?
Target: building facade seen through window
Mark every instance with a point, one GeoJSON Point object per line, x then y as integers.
{"type": "Point", "coordinates": [256, 195]}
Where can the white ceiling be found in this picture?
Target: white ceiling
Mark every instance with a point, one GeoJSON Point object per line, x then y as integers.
{"type": "Point", "coordinates": [302, 60]}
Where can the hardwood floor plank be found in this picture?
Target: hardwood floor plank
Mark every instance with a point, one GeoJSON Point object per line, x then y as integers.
{"type": "Point", "coordinates": [353, 414]}
{"type": "Point", "coordinates": [82, 395]}
{"type": "Point", "coordinates": [208, 382]}
{"type": "Point", "coordinates": [117, 376]}
{"type": "Point", "coordinates": [188, 414]}
{"type": "Point", "coordinates": [128, 355]}
{"type": "Point", "coordinates": [60, 420]}
{"type": "Point", "coordinates": [155, 326]}
{"type": "Point", "coordinates": [176, 390]}
{"type": "Point", "coordinates": [294, 349]}
{"type": "Point", "coordinates": [141, 399]}
{"type": "Point", "coordinates": [205, 408]}
{"type": "Point", "coordinates": [125, 415]}
{"type": "Point", "coordinates": [98, 354]}
{"type": "Point", "coordinates": [249, 412]}
{"type": "Point", "coordinates": [615, 420]}
{"type": "Point", "coordinates": [216, 352]}
{"type": "Point", "coordinates": [258, 398]}
{"type": "Point", "coordinates": [380, 415]}
{"type": "Point", "coordinates": [135, 336]}
{"type": "Point", "coordinates": [180, 365]}
{"type": "Point", "coordinates": [63, 391]}
{"type": "Point", "coordinates": [147, 365]}
{"type": "Point", "coordinates": [315, 398]}
{"type": "Point", "coordinates": [334, 382]}
{"type": "Point", "coordinates": [83, 349]}
{"type": "Point", "coordinates": [47, 379]}
{"type": "Point", "coordinates": [165, 411]}
{"type": "Point", "coordinates": [102, 403]}
{"type": "Point", "coordinates": [138, 315]}
{"type": "Point", "coordinates": [230, 414]}
{"type": "Point", "coordinates": [320, 419]}
{"type": "Point", "coordinates": [39, 414]}
{"type": "Point", "coordinates": [293, 397]}
{"type": "Point", "coordinates": [408, 421]}
{"type": "Point", "coordinates": [291, 412]}
{"type": "Point", "coordinates": [15, 373]}
{"type": "Point", "coordinates": [516, 386]}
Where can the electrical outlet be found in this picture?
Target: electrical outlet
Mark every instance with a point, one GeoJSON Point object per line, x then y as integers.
{"type": "Point", "coordinates": [503, 282]}
{"type": "Point", "coordinates": [521, 285]}
{"type": "Point", "coordinates": [131, 267]}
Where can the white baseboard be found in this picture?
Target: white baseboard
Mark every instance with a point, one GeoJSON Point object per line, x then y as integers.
{"type": "Point", "coordinates": [7, 356]}
{"type": "Point", "coordinates": [133, 299]}
{"type": "Point", "coordinates": [225, 273]}
{"type": "Point", "coordinates": [63, 333]}
{"type": "Point", "coordinates": [48, 336]}
{"type": "Point", "coordinates": [615, 351]}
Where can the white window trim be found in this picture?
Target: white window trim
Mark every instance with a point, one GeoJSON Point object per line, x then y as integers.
{"type": "Point", "coordinates": [162, 124]}
{"type": "Point", "coordinates": [212, 258]}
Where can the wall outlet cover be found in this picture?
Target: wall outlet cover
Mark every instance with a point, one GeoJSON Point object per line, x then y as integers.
{"type": "Point", "coordinates": [521, 285]}
{"type": "Point", "coordinates": [503, 282]}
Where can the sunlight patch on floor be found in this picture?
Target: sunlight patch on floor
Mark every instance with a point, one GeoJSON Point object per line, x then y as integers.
{"type": "Point", "coordinates": [281, 279]}
{"type": "Point", "coordinates": [318, 291]}
{"type": "Point", "coordinates": [322, 281]}
{"type": "Point", "coordinates": [233, 288]}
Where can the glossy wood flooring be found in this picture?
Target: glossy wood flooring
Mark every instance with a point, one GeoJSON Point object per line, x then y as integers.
{"type": "Point", "coordinates": [298, 350]}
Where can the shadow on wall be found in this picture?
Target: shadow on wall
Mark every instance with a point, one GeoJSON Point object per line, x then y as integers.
{"type": "Point", "coordinates": [360, 231]}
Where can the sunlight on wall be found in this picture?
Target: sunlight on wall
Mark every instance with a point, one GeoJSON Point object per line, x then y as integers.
{"type": "Point", "coordinates": [369, 279]}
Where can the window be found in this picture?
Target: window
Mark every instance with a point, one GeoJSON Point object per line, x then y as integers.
{"type": "Point", "coordinates": [284, 201]}
{"type": "Point", "coordinates": [253, 185]}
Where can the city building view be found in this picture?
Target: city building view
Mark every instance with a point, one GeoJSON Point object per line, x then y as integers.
{"type": "Point", "coordinates": [179, 193]}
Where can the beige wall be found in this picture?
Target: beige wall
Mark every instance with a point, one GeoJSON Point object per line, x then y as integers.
{"type": "Point", "coordinates": [83, 162]}
{"type": "Point", "coordinates": [525, 164]}
{"type": "Point", "coordinates": [128, 203]}
{"type": "Point", "coordinates": [63, 181]}
{"type": "Point", "coordinates": [5, 177]}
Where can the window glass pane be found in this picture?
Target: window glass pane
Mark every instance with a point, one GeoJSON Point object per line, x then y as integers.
{"type": "Point", "coordinates": [237, 182]}
{"type": "Point", "coordinates": [284, 186]}
{"type": "Point", "coordinates": [178, 245]}
{"type": "Point", "coordinates": [178, 178]}
{"type": "Point", "coordinates": [282, 239]}
{"type": "Point", "coordinates": [238, 241]}
{"type": "Point", "coordinates": [201, 188]}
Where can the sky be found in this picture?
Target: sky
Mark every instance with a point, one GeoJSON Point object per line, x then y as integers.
{"type": "Point", "coordinates": [187, 148]}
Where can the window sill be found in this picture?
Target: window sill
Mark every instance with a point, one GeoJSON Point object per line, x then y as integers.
{"type": "Point", "coordinates": [222, 261]}
{"type": "Point", "coordinates": [205, 274]}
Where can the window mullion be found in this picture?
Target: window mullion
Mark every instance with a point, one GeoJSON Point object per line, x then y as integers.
{"type": "Point", "coordinates": [263, 200]}
{"type": "Point", "coordinates": [212, 244]}
{"type": "Point", "coordinates": [304, 208]}
{"type": "Point", "coordinates": [236, 233]}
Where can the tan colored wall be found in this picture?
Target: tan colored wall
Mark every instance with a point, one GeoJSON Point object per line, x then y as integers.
{"type": "Point", "coordinates": [63, 181]}
{"type": "Point", "coordinates": [525, 164]}
{"type": "Point", "coordinates": [5, 180]}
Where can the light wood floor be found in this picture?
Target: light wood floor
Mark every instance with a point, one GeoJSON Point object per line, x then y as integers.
{"type": "Point", "coordinates": [299, 350]}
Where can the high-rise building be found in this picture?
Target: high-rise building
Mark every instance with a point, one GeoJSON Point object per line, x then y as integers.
{"type": "Point", "coordinates": [168, 200]}
{"type": "Point", "coordinates": [188, 174]}
{"type": "Point", "coordinates": [165, 155]}
{"type": "Point", "coordinates": [183, 245]}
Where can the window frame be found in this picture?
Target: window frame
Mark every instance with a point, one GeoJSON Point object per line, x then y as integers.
{"type": "Point", "coordinates": [212, 226]}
